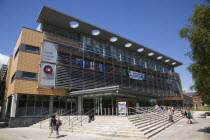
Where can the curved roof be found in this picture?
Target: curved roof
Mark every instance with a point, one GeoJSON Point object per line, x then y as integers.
{"type": "Point", "coordinates": [60, 19]}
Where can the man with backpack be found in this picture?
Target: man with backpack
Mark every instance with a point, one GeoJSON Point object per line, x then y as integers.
{"type": "Point", "coordinates": [58, 124]}
{"type": "Point", "coordinates": [52, 125]}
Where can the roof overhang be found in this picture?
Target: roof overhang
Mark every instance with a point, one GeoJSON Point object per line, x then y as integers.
{"type": "Point", "coordinates": [113, 89]}
{"type": "Point", "coordinates": [57, 18]}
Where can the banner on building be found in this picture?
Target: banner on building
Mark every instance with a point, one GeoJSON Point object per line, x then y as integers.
{"type": "Point", "coordinates": [49, 52]}
{"type": "Point", "coordinates": [134, 74]}
{"type": "Point", "coordinates": [47, 75]}
{"type": "Point", "coordinates": [122, 107]}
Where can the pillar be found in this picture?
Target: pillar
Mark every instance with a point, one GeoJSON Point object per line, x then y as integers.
{"type": "Point", "coordinates": [80, 104]}
{"type": "Point", "coordinates": [51, 105]}
{"type": "Point", "coordinates": [13, 105]}
{"type": "Point", "coordinates": [4, 110]}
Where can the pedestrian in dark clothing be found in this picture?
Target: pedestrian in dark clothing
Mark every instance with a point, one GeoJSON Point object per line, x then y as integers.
{"type": "Point", "coordinates": [91, 117]}
{"type": "Point", "coordinates": [52, 125]}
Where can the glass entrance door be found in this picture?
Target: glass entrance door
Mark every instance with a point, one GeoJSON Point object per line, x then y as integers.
{"type": "Point", "coordinates": [88, 104]}
{"type": "Point", "coordinates": [71, 106]}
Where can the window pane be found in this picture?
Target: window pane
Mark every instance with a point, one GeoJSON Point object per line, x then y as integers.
{"type": "Point", "coordinates": [29, 75]}
{"type": "Point", "coordinates": [45, 109]}
{"type": "Point", "coordinates": [32, 49]}
{"type": "Point", "coordinates": [38, 108]}
{"type": "Point", "coordinates": [30, 108]}
{"type": "Point", "coordinates": [21, 108]}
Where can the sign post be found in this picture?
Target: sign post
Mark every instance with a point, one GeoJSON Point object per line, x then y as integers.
{"type": "Point", "coordinates": [122, 108]}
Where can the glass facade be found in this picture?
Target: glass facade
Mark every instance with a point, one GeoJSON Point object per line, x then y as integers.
{"type": "Point", "coordinates": [39, 105]}
{"type": "Point", "coordinates": [107, 103]}
{"type": "Point", "coordinates": [100, 64]}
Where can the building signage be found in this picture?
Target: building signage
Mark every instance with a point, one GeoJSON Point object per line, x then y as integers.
{"type": "Point", "coordinates": [135, 75]}
{"type": "Point", "coordinates": [49, 52]}
{"type": "Point", "coordinates": [47, 74]}
{"type": "Point", "coordinates": [122, 108]}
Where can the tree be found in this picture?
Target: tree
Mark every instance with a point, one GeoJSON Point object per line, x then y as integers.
{"type": "Point", "coordinates": [198, 34]}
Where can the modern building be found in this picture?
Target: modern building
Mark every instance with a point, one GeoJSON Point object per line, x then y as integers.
{"type": "Point", "coordinates": [69, 64]}
{"type": "Point", "coordinates": [192, 99]}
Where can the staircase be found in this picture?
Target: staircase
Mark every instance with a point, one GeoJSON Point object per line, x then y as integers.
{"type": "Point", "coordinates": [111, 126]}
{"type": "Point", "coordinates": [153, 123]}
{"type": "Point", "coordinates": [139, 125]}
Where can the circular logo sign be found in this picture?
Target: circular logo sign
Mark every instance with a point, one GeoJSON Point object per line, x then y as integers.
{"type": "Point", "coordinates": [48, 69]}
{"type": "Point", "coordinates": [66, 60]}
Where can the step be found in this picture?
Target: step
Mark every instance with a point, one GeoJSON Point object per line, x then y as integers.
{"type": "Point", "coordinates": [157, 130]}
{"type": "Point", "coordinates": [112, 129]}
{"type": "Point", "coordinates": [112, 134]}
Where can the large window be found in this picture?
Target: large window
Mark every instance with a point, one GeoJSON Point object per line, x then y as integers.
{"type": "Point", "coordinates": [28, 75]}
{"type": "Point", "coordinates": [28, 48]}
{"type": "Point", "coordinates": [33, 49]}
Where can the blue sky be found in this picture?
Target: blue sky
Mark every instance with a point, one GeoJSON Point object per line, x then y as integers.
{"type": "Point", "coordinates": [152, 23]}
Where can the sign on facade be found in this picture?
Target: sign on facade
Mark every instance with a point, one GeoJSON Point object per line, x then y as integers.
{"type": "Point", "coordinates": [122, 108]}
{"type": "Point", "coordinates": [49, 52]}
{"type": "Point", "coordinates": [47, 74]}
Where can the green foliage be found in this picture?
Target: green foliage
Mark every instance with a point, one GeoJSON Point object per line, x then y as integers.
{"type": "Point", "coordinates": [198, 34]}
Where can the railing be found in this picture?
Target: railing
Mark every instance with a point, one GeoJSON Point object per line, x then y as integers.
{"type": "Point", "coordinates": [75, 114]}
{"type": "Point", "coordinates": [82, 118]}
{"type": "Point", "coordinates": [154, 115]}
{"type": "Point", "coordinates": [58, 113]}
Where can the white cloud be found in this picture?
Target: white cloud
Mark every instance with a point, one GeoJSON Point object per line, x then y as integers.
{"type": "Point", "coordinates": [186, 89]}
{"type": "Point", "coordinates": [3, 59]}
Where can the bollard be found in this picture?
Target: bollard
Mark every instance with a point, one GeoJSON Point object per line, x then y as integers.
{"type": "Point", "coordinates": [105, 111]}
{"type": "Point", "coordinates": [108, 111]}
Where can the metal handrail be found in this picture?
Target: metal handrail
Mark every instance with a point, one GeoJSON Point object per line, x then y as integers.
{"type": "Point", "coordinates": [46, 118]}
{"type": "Point", "coordinates": [72, 116]}
{"type": "Point", "coordinates": [41, 113]}
{"type": "Point", "coordinates": [81, 121]}
{"type": "Point", "coordinates": [56, 113]}
{"type": "Point", "coordinates": [67, 112]}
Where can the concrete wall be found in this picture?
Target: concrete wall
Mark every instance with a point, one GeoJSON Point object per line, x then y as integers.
{"type": "Point", "coordinates": [23, 121]}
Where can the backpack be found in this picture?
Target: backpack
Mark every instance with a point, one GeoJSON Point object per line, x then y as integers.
{"type": "Point", "coordinates": [58, 123]}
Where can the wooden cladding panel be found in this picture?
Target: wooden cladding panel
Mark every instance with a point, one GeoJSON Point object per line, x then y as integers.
{"type": "Point", "coordinates": [30, 87]}
{"type": "Point", "coordinates": [31, 37]}
{"type": "Point", "coordinates": [28, 62]}
{"type": "Point", "coordinates": [49, 91]}
{"type": "Point", "coordinates": [26, 86]}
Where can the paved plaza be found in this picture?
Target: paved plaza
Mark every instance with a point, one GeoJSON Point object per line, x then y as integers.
{"type": "Point", "coordinates": [179, 131]}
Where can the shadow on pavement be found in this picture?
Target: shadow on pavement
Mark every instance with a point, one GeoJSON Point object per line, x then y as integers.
{"type": "Point", "coordinates": [62, 136]}
{"type": "Point", "coordinates": [202, 116]}
{"type": "Point", "coordinates": [205, 129]}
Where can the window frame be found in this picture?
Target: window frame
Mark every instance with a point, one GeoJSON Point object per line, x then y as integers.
{"type": "Point", "coordinates": [28, 77]}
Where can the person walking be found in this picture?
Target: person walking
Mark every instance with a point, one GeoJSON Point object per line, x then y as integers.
{"type": "Point", "coordinates": [91, 117]}
{"type": "Point", "coordinates": [189, 116]}
{"type": "Point", "coordinates": [156, 107]}
{"type": "Point", "coordinates": [170, 115]}
{"type": "Point", "coordinates": [58, 124]}
{"type": "Point", "coordinates": [172, 109]}
{"type": "Point", "coordinates": [52, 125]}
{"type": "Point", "coordinates": [185, 113]}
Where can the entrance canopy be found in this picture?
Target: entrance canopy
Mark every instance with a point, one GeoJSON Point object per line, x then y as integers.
{"type": "Point", "coordinates": [114, 89]}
